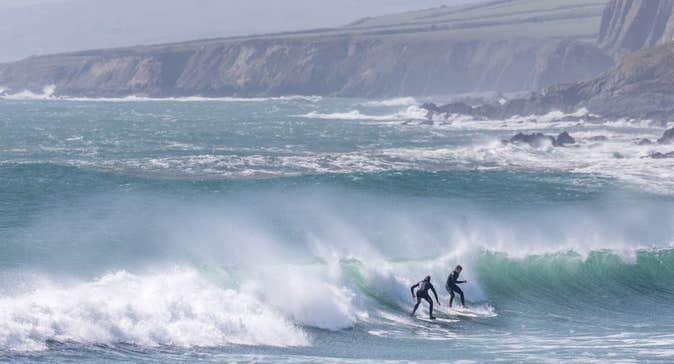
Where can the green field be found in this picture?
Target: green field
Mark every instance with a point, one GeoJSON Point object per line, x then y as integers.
{"type": "Point", "coordinates": [495, 19]}
{"type": "Point", "coordinates": [500, 19]}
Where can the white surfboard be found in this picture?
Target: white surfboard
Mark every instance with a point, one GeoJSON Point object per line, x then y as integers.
{"type": "Point", "coordinates": [461, 312]}
{"type": "Point", "coordinates": [470, 312]}
{"type": "Point", "coordinates": [438, 320]}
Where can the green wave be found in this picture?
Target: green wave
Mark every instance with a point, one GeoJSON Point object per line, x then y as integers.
{"type": "Point", "coordinates": [600, 275]}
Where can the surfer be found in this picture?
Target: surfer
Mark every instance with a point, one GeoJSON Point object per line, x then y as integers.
{"type": "Point", "coordinates": [452, 285]}
{"type": "Point", "coordinates": [422, 292]}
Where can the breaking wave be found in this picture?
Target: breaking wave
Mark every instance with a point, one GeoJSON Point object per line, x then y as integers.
{"type": "Point", "coordinates": [176, 308]}
{"type": "Point", "coordinates": [266, 267]}
{"type": "Point", "coordinates": [412, 112]}
{"type": "Point", "coordinates": [399, 101]}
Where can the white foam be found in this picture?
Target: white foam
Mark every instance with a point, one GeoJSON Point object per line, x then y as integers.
{"type": "Point", "coordinates": [350, 115]}
{"type": "Point", "coordinates": [49, 93]}
{"type": "Point", "coordinates": [172, 308]}
{"type": "Point", "coordinates": [399, 101]}
{"type": "Point", "coordinates": [310, 297]}
{"type": "Point", "coordinates": [412, 112]}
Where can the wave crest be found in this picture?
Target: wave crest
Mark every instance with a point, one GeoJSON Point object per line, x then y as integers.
{"type": "Point", "coordinates": [177, 308]}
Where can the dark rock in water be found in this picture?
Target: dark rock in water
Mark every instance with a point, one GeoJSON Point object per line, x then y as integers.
{"type": "Point", "coordinates": [564, 139]}
{"type": "Point", "coordinates": [667, 137]}
{"type": "Point", "coordinates": [658, 155]}
{"type": "Point", "coordinates": [598, 138]}
{"type": "Point", "coordinates": [534, 140]}
{"type": "Point", "coordinates": [644, 142]}
{"type": "Point", "coordinates": [540, 139]}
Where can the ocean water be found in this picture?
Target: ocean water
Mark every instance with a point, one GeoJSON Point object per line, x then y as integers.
{"type": "Point", "coordinates": [288, 230]}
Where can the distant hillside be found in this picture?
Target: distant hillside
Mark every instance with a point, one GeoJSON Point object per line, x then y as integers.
{"type": "Point", "coordinates": [508, 45]}
{"type": "Point", "coordinates": [498, 19]}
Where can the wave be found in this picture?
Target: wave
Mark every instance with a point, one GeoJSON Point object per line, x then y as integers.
{"type": "Point", "coordinates": [412, 112]}
{"type": "Point", "coordinates": [181, 307]}
{"type": "Point", "coordinates": [551, 120]}
{"type": "Point", "coordinates": [601, 277]}
{"type": "Point", "coordinates": [176, 308]}
{"type": "Point", "coordinates": [49, 93]}
{"type": "Point", "coordinates": [399, 101]}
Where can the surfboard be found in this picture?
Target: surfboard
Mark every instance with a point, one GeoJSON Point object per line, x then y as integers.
{"type": "Point", "coordinates": [438, 320]}
{"type": "Point", "coordinates": [467, 312]}
{"type": "Point", "coordinates": [461, 312]}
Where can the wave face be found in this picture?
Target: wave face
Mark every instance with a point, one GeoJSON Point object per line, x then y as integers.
{"type": "Point", "coordinates": [237, 231]}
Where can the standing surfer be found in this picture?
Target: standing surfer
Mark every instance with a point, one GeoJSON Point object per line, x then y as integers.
{"type": "Point", "coordinates": [452, 285]}
{"type": "Point", "coordinates": [422, 292]}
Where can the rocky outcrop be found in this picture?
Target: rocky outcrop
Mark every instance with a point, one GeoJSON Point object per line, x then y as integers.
{"type": "Point", "coordinates": [667, 137]}
{"type": "Point", "coordinates": [630, 25]}
{"type": "Point", "coordinates": [640, 86]}
{"type": "Point", "coordinates": [344, 66]}
{"type": "Point", "coordinates": [538, 140]}
{"type": "Point", "coordinates": [658, 155]}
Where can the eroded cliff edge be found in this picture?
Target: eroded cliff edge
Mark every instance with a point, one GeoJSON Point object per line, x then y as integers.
{"type": "Point", "coordinates": [640, 86]}
{"type": "Point", "coordinates": [349, 66]}
{"type": "Point", "coordinates": [504, 45]}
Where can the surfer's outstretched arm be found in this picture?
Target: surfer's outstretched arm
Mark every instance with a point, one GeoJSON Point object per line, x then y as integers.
{"type": "Point", "coordinates": [412, 289]}
{"type": "Point", "coordinates": [436, 295]}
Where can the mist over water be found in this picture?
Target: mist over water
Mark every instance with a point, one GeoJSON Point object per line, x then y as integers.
{"type": "Point", "coordinates": [291, 229]}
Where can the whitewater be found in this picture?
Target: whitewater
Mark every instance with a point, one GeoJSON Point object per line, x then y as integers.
{"type": "Point", "coordinates": [290, 229]}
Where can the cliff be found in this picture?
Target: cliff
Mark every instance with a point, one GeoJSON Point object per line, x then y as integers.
{"type": "Point", "coordinates": [505, 45]}
{"type": "Point", "coordinates": [345, 66]}
{"type": "Point", "coordinates": [630, 25]}
{"type": "Point", "coordinates": [640, 86]}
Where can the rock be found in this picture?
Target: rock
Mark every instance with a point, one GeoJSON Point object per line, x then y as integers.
{"type": "Point", "coordinates": [536, 140]}
{"type": "Point", "coordinates": [658, 155]}
{"type": "Point", "coordinates": [564, 139]}
{"type": "Point", "coordinates": [667, 137]}
{"type": "Point", "coordinates": [644, 141]}
{"type": "Point", "coordinates": [638, 87]}
{"type": "Point", "coordinates": [598, 138]}
{"type": "Point", "coordinates": [539, 139]}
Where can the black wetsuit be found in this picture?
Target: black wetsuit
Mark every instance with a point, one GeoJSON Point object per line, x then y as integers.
{"type": "Point", "coordinates": [422, 292]}
{"type": "Point", "coordinates": [452, 286]}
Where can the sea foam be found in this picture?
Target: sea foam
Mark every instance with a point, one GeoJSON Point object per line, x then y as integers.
{"type": "Point", "coordinates": [176, 308]}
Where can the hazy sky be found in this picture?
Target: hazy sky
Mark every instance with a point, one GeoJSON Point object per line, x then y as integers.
{"type": "Point", "coordinates": [33, 27]}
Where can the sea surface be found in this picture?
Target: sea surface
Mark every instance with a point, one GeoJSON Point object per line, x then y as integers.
{"type": "Point", "coordinates": [289, 230]}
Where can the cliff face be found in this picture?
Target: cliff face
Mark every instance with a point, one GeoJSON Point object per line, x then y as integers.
{"type": "Point", "coordinates": [345, 66]}
{"type": "Point", "coordinates": [630, 25]}
{"type": "Point", "coordinates": [640, 87]}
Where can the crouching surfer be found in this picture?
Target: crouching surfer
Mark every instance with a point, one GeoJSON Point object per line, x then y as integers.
{"type": "Point", "coordinates": [452, 285]}
{"type": "Point", "coordinates": [422, 292]}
